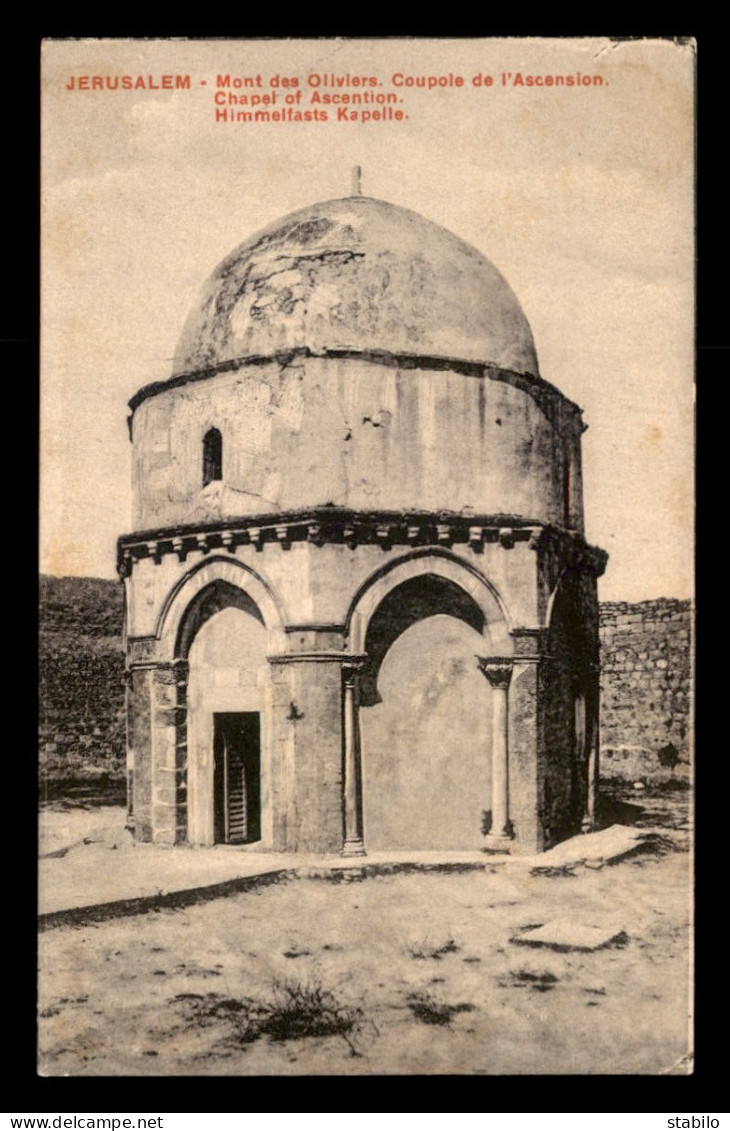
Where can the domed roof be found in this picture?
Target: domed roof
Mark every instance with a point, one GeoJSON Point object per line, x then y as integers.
{"type": "Point", "coordinates": [356, 274]}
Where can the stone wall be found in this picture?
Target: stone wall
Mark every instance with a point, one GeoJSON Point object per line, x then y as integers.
{"type": "Point", "coordinates": [645, 689]}
{"type": "Point", "coordinates": [81, 667]}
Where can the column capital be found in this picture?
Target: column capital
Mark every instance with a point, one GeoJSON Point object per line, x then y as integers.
{"type": "Point", "coordinates": [178, 664]}
{"type": "Point", "coordinates": [352, 667]}
{"type": "Point", "coordinates": [538, 537]}
{"type": "Point", "coordinates": [124, 564]}
{"type": "Point", "coordinates": [177, 667]}
{"type": "Point", "coordinates": [497, 669]}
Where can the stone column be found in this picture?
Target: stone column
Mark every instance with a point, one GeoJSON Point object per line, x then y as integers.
{"type": "Point", "coordinates": [139, 748]}
{"type": "Point", "coordinates": [169, 752]}
{"type": "Point", "coordinates": [307, 749]}
{"type": "Point", "coordinates": [127, 682]}
{"type": "Point", "coordinates": [589, 820]}
{"type": "Point", "coordinates": [498, 670]}
{"type": "Point", "coordinates": [353, 844]}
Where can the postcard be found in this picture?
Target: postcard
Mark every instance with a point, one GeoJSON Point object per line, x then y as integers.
{"type": "Point", "coordinates": [366, 556]}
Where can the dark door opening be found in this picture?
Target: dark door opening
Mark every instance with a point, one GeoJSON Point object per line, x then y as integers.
{"type": "Point", "coordinates": [237, 777]}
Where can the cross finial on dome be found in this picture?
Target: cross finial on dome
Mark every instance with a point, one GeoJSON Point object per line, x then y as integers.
{"type": "Point", "coordinates": [356, 175]}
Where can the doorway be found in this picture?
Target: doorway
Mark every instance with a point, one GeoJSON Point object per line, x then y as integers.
{"type": "Point", "coordinates": [237, 777]}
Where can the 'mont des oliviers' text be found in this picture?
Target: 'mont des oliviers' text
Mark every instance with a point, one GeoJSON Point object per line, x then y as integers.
{"type": "Point", "coordinates": [286, 101]}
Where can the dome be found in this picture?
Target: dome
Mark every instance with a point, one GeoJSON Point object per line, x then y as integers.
{"type": "Point", "coordinates": [358, 275]}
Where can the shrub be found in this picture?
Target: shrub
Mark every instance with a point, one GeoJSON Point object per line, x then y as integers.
{"type": "Point", "coordinates": [296, 1010]}
{"type": "Point", "coordinates": [306, 1009]}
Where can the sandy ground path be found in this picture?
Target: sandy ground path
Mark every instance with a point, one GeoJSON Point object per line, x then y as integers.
{"type": "Point", "coordinates": [402, 974]}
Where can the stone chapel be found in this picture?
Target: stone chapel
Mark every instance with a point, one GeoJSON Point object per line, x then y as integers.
{"type": "Point", "coordinates": [361, 611]}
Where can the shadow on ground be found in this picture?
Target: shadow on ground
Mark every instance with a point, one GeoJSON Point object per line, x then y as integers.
{"type": "Point", "coordinates": [656, 804]}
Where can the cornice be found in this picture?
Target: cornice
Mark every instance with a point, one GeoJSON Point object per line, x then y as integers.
{"type": "Point", "coordinates": [537, 387]}
{"type": "Point", "coordinates": [340, 526]}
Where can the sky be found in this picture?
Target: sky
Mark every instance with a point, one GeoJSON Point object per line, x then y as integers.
{"type": "Point", "coordinates": [582, 196]}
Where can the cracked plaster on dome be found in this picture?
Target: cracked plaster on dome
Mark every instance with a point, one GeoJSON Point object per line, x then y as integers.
{"type": "Point", "coordinates": [360, 275]}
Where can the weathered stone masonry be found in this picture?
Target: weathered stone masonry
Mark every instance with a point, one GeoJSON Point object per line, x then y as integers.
{"type": "Point", "coordinates": [361, 610]}
{"type": "Point", "coordinates": [81, 719]}
{"type": "Point", "coordinates": [645, 689]}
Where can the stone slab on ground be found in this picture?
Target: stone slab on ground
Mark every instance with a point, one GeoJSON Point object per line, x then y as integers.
{"type": "Point", "coordinates": [607, 845]}
{"type": "Point", "coordinates": [572, 934]}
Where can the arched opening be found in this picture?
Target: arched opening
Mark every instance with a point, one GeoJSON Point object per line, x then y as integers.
{"type": "Point", "coordinates": [570, 682]}
{"type": "Point", "coordinates": [224, 638]}
{"type": "Point", "coordinates": [212, 456]}
{"type": "Point", "coordinates": [183, 611]}
{"type": "Point", "coordinates": [425, 719]}
{"type": "Point", "coordinates": [217, 595]}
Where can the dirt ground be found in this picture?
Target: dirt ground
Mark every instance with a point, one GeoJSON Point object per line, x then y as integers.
{"type": "Point", "coordinates": [409, 973]}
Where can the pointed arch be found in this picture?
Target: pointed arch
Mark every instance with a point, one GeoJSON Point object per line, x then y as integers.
{"type": "Point", "coordinates": [424, 707]}
{"type": "Point", "coordinates": [435, 563]}
{"type": "Point", "coordinates": [256, 596]}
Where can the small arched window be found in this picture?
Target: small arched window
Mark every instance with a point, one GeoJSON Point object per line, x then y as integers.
{"type": "Point", "coordinates": [212, 456]}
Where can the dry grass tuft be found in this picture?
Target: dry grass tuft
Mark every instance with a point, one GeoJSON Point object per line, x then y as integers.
{"type": "Point", "coordinates": [297, 1009]}
{"type": "Point", "coordinates": [432, 1012]}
